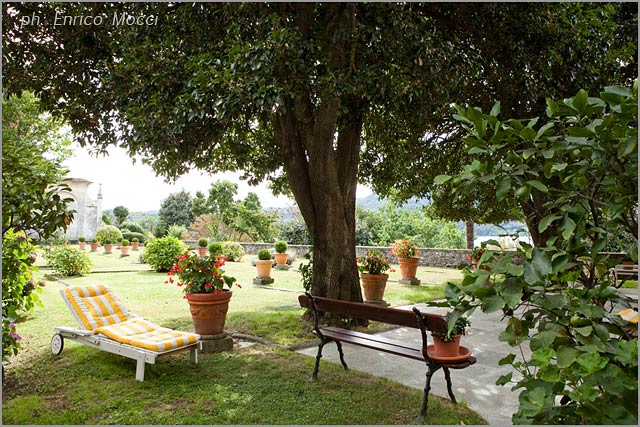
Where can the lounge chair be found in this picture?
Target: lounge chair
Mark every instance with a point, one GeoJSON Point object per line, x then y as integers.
{"type": "Point", "coordinates": [107, 325]}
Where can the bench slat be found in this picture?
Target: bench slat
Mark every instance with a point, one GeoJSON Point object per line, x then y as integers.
{"type": "Point", "coordinates": [392, 316]}
{"type": "Point", "coordinates": [375, 345]}
{"type": "Point", "coordinates": [376, 338]}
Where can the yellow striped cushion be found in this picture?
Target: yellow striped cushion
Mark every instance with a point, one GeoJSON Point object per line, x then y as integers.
{"type": "Point", "coordinates": [144, 334]}
{"type": "Point", "coordinates": [96, 306]}
{"type": "Point", "coordinates": [630, 315]}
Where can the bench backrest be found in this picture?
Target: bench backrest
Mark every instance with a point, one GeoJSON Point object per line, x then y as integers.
{"type": "Point", "coordinates": [393, 316]}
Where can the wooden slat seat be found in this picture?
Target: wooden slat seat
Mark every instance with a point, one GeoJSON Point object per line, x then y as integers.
{"type": "Point", "coordinates": [412, 319]}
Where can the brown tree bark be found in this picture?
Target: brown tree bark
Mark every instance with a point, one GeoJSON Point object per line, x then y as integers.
{"type": "Point", "coordinates": [470, 232]}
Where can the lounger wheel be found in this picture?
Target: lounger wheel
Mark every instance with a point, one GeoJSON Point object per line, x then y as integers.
{"type": "Point", "coordinates": [57, 344]}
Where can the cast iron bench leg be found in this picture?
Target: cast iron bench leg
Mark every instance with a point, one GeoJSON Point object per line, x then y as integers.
{"type": "Point", "coordinates": [447, 376]}
{"type": "Point", "coordinates": [339, 345]}
{"type": "Point", "coordinates": [323, 342]}
{"type": "Point", "coordinates": [425, 399]}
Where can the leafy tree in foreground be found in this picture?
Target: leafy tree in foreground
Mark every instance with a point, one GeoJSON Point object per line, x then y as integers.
{"type": "Point", "coordinates": [558, 299]}
{"type": "Point", "coordinates": [302, 94]}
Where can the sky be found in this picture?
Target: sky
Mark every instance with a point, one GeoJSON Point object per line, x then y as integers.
{"type": "Point", "coordinates": [139, 189]}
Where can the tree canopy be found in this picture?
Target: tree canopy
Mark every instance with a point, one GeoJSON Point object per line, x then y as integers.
{"type": "Point", "coordinates": [312, 96]}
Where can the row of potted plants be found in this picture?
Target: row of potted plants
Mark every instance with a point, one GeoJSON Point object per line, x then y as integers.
{"type": "Point", "coordinates": [123, 245]}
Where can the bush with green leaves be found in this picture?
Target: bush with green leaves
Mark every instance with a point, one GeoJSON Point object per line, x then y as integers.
{"type": "Point", "coordinates": [306, 271]}
{"type": "Point", "coordinates": [132, 226]}
{"type": "Point", "coordinates": [281, 246]}
{"type": "Point", "coordinates": [232, 251]}
{"type": "Point", "coordinates": [215, 249]}
{"type": "Point", "coordinates": [264, 255]}
{"type": "Point", "coordinates": [19, 289]}
{"type": "Point", "coordinates": [202, 242]}
{"type": "Point", "coordinates": [124, 242]}
{"type": "Point", "coordinates": [70, 261]}
{"type": "Point", "coordinates": [579, 168]}
{"type": "Point", "coordinates": [108, 232]}
{"type": "Point", "coordinates": [177, 231]}
{"type": "Point", "coordinates": [162, 253]}
{"type": "Point", "coordinates": [133, 235]}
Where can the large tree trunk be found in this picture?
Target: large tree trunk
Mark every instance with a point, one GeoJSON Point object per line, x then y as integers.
{"type": "Point", "coordinates": [470, 231]}
{"type": "Point", "coordinates": [319, 137]}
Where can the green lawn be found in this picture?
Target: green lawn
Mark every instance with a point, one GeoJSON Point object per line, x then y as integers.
{"type": "Point", "coordinates": [262, 384]}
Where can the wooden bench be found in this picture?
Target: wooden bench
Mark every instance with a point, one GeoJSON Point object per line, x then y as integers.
{"type": "Point", "coordinates": [412, 319]}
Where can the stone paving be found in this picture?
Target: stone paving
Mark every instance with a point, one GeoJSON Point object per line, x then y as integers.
{"type": "Point", "coordinates": [474, 385]}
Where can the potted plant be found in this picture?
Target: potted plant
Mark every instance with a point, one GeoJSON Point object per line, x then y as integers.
{"type": "Point", "coordinates": [202, 246]}
{"type": "Point", "coordinates": [215, 252]}
{"type": "Point", "coordinates": [372, 270]}
{"type": "Point", "coordinates": [82, 243]}
{"type": "Point", "coordinates": [281, 255]}
{"type": "Point", "coordinates": [407, 253]}
{"type": "Point", "coordinates": [264, 263]}
{"type": "Point", "coordinates": [135, 243]}
{"type": "Point", "coordinates": [118, 242]}
{"type": "Point", "coordinates": [475, 256]}
{"type": "Point", "coordinates": [108, 246]}
{"type": "Point", "coordinates": [206, 289]}
{"type": "Point", "coordinates": [124, 247]}
{"type": "Point", "coordinates": [448, 344]}
{"type": "Point", "coordinates": [94, 245]}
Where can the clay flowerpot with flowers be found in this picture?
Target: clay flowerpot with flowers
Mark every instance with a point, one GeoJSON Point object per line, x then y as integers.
{"type": "Point", "coordinates": [206, 289]}
{"type": "Point", "coordinates": [407, 253]}
{"type": "Point", "coordinates": [373, 268]}
{"type": "Point", "coordinates": [447, 345]}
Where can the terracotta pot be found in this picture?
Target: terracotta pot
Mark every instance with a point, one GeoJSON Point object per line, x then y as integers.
{"type": "Point", "coordinates": [82, 245]}
{"type": "Point", "coordinates": [220, 259]}
{"type": "Point", "coordinates": [264, 267]}
{"type": "Point", "coordinates": [281, 259]}
{"type": "Point", "coordinates": [408, 267]}
{"type": "Point", "coordinates": [94, 247]}
{"type": "Point", "coordinates": [135, 245]}
{"type": "Point", "coordinates": [108, 248]}
{"type": "Point", "coordinates": [202, 251]}
{"type": "Point", "coordinates": [374, 286]}
{"type": "Point", "coordinates": [209, 312]}
{"type": "Point", "coordinates": [447, 349]}
{"type": "Point", "coordinates": [125, 250]}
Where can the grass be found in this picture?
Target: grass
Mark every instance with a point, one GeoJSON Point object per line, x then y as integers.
{"type": "Point", "coordinates": [262, 384]}
{"type": "Point", "coordinates": [630, 284]}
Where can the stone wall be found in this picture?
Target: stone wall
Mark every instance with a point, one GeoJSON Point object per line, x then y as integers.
{"type": "Point", "coordinates": [428, 256]}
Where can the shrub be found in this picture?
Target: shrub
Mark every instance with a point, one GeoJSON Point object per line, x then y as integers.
{"type": "Point", "coordinates": [107, 242]}
{"type": "Point", "coordinates": [124, 242]}
{"type": "Point", "coordinates": [281, 247]}
{"type": "Point", "coordinates": [202, 242]}
{"type": "Point", "coordinates": [19, 290]}
{"type": "Point", "coordinates": [264, 254]}
{"type": "Point", "coordinates": [233, 251]}
{"type": "Point", "coordinates": [81, 239]}
{"type": "Point", "coordinates": [215, 248]}
{"type": "Point", "coordinates": [108, 232]}
{"type": "Point", "coordinates": [162, 253]}
{"type": "Point", "coordinates": [135, 240]}
{"type": "Point", "coordinates": [177, 231]}
{"type": "Point", "coordinates": [133, 235]}
{"type": "Point", "coordinates": [69, 261]}
{"type": "Point", "coordinates": [132, 226]}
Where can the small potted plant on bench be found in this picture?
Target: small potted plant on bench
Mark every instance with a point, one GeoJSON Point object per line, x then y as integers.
{"type": "Point", "coordinates": [202, 246]}
{"type": "Point", "coordinates": [447, 345]}
{"type": "Point", "coordinates": [263, 265]}
{"type": "Point", "coordinates": [281, 255]}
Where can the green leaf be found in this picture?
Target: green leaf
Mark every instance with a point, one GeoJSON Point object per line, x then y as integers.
{"type": "Point", "coordinates": [579, 102]}
{"type": "Point", "coordinates": [503, 188]}
{"type": "Point", "coordinates": [547, 221]}
{"type": "Point", "coordinates": [543, 129]}
{"type": "Point", "coordinates": [477, 150]}
{"type": "Point", "coordinates": [559, 167]}
{"type": "Point", "coordinates": [492, 304]}
{"type": "Point", "coordinates": [532, 402]}
{"type": "Point", "coordinates": [627, 147]}
{"type": "Point", "coordinates": [566, 356]}
{"type": "Point", "coordinates": [581, 132]}
{"type": "Point", "coordinates": [591, 362]}
{"type": "Point", "coordinates": [512, 294]}
{"type": "Point", "coordinates": [441, 179]}
{"type": "Point", "coordinates": [495, 110]}
{"type": "Point", "coordinates": [549, 373]}
{"type": "Point", "coordinates": [504, 379]}
{"type": "Point", "coordinates": [527, 133]}
{"type": "Point", "coordinates": [618, 90]}
{"type": "Point", "coordinates": [538, 185]}
{"type": "Point", "coordinates": [542, 340]}
{"type": "Point", "coordinates": [507, 360]}
{"type": "Point", "coordinates": [568, 226]}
